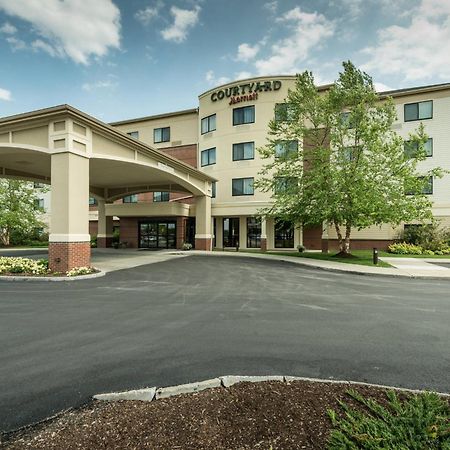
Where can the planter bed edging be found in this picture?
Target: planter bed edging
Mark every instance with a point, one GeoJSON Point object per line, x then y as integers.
{"type": "Point", "coordinates": [99, 274]}
{"type": "Point", "coordinates": [154, 393]}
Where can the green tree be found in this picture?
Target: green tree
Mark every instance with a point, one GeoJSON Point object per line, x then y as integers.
{"type": "Point", "coordinates": [333, 158]}
{"type": "Point", "coordinates": [19, 209]}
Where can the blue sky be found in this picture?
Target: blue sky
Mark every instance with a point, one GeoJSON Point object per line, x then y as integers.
{"type": "Point", "coordinates": [118, 59]}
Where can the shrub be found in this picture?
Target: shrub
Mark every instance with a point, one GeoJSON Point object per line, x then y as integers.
{"type": "Point", "coordinates": [403, 248]}
{"type": "Point", "coordinates": [428, 236]}
{"type": "Point", "coordinates": [23, 265]}
{"type": "Point", "coordinates": [186, 246]}
{"type": "Point", "coordinates": [80, 271]}
{"type": "Point", "coordinates": [301, 248]}
{"type": "Point", "coordinates": [419, 422]}
{"type": "Point", "coordinates": [94, 242]}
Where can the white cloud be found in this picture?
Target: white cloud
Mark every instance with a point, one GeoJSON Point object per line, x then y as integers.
{"type": "Point", "coordinates": [78, 29]}
{"type": "Point", "coordinates": [16, 44]}
{"type": "Point", "coordinates": [307, 32]}
{"type": "Point", "coordinates": [353, 8]}
{"type": "Point", "coordinates": [7, 28]}
{"type": "Point", "coordinates": [418, 50]}
{"type": "Point", "coordinates": [242, 75]}
{"type": "Point", "coordinates": [5, 95]}
{"type": "Point", "coordinates": [213, 81]}
{"type": "Point", "coordinates": [271, 6]}
{"type": "Point", "coordinates": [103, 84]}
{"type": "Point", "coordinates": [146, 15]}
{"type": "Point", "coordinates": [39, 44]}
{"type": "Point", "coordinates": [381, 87]}
{"type": "Point", "coordinates": [246, 52]}
{"type": "Point", "coordinates": [184, 20]}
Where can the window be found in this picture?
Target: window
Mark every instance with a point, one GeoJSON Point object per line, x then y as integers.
{"type": "Point", "coordinates": [213, 189]}
{"type": "Point", "coordinates": [38, 185]}
{"type": "Point", "coordinates": [418, 111]}
{"type": "Point", "coordinates": [243, 150]}
{"type": "Point", "coordinates": [253, 232]}
{"type": "Point", "coordinates": [427, 188]}
{"type": "Point", "coordinates": [346, 120]}
{"type": "Point", "coordinates": [284, 234]}
{"type": "Point", "coordinates": [244, 115]}
{"type": "Point", "coordinates": [38, 203]}
{"type": "Point", "coordinates": [284, 112]}
{"type": "Point", "coordinates": [242, 186]}
{"type": "Point", "coordinates": [92, 201]}
{"type": "Point", "coordinates": [134, 134]}
{"type": "Point", "coordinates": [286, 149]}
{"type": "Point", "coordinates": [208, 156]}
{"type": "Point", "coordinates": [411, 148]}
{"type": "Point", "coordinates": [285, 184]}
{"type": "Point", "coordinates": [160, 196]}
{"type": "Point", "coordinates": [130, 199]}
{"type": "Point", "coordinates": [208, 124]}
{"type": "Point", "coordinates": [161, 135]}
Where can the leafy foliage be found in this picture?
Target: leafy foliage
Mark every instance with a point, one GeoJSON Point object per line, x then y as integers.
{"type": "Point", "coordinates": [350, 168]}
{"type": "Point", "coordinates": [420, 422]}
{"type": "Point", "coordinates": [18, 211]}
{"type": "Point", "coordinates": [429, 236]}
{"type": "Point", "coordinates": [23, 266]}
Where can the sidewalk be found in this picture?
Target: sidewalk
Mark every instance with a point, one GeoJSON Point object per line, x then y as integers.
{"type": "Point", "coordinates": [402, 267]}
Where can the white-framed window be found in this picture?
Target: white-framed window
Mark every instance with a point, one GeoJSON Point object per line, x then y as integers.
{"type": "Point", "coordinates": [243, 115]}
{"type": "Point", "coordinates": [418, 110]}
{"type": "Point", "coordinates": [208, 123]}
{"type": "Point", "coordinates": [242, 186]}
{"type": "Point", "coordinates": [286, 149]}
{"type": "Point", "coordinates": [134, 134]}
{"type": "Point", "coordinates": [411, 148]}
{"type": "Point", "coordinates": [161, 135]}
{"type": "Point", "coordinates": [161, 196]}
{"type": "Point", "coordinates": [208, 156]}
{"type": "Point", "coordinates": [243, 150]}
{"type": "Point", "coordinates": [133, 198]}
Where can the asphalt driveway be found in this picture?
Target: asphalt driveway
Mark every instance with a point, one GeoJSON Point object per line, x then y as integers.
{"type": "Point", "coordinates": [202, 316]}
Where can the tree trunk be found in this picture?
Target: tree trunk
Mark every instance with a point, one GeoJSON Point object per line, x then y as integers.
{"type": "Point", "coordinates": [348, 230]}
{"type": "Point", "coordinates": [4, 237]}
{"type": "Point", "coordinates": [340, 238]}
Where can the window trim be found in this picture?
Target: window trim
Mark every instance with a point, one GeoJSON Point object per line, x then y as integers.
{"type": "Point", "coordinates": [243, 143]}
{"type": "Point", "coordinates": [209, 129]}
{"type": "Point", "coordinates": [242, 108]}
{"type": "Point", "coordinates": [418, 109]}
{"type": "Point", "coordinates": [233, 180]}
{"type": "Point", "coordinates": [208, 150]}
{"type": "Point", "coordinates": [162, 133]}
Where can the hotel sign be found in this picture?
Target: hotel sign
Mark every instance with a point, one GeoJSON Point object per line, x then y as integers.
{"type": "Point", "coordinates": [245, 92]}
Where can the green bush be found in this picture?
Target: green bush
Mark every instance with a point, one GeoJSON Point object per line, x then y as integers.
{"type": "Point", "coordinates": [428, 236]}
{"type": "Point", "coordinates": [403, 248]}
{"type": "Point", "coordinates": [23, 265]}
{"type": "Point", "coordinates": [419, 422]}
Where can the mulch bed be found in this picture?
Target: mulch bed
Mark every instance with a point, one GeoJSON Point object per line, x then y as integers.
{"type": "Point", "coordinates": [267, 416]}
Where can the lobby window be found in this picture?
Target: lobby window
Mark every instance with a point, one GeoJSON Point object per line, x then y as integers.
{"type": "Point", "coordinates": [284, 234]}
{"type": "Point", "coordinates": [39, 203]}
{"type": "Point", "coordinates": [213, 189]}
{"type": "Point", "coordinates": [92, 201]}
{"type": "Point", "coordinates": [130, 198]}
{"type": "Point", "coordinates": [208, 124]}
{"type": "Point", "coordinates": [286, 149]}
{"type": "Point", "coordinates": [253, 232]}
{"type": "Point", "coordinates": [284, 112]}
{"type": "Point", "coordinates": [242, 186]}
{"type": "Point", "coordinates": [161, 196]}
{"type": "Point", "coordinates": [243, 150]}
{"type": "Point", "coordinates": [134, 134]}
{"type": "Point", "coordinates": [244, 115]}
{"type": "Point", "coordinates": [418, 111]}
{"type": "Point", "coordinates": [208, 156]}
{"type": "Point", "coordinates": [161, 135]}
{"type": "Point", "coordinates": [411, 148]}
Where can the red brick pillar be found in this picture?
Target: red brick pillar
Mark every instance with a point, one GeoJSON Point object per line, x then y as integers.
{"type": "Point", "coordinates": [64, 256]}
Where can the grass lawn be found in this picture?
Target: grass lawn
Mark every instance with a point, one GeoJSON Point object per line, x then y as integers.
{"type": "Point", "coordinates": [363, 257]}
{"type": "Point", "coordinates": [392, 255]}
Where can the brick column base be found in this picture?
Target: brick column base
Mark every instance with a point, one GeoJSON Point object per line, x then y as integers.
{"type": "Point", "coordinates": [104, 242]}
{"type": "Point", "coordinates": [64, 256]}
{"type": "Point", "coordinates": [263, 244]}
{"type": "Point", "coordinates": [203, 244]}
{"type": "Point", "coordinates": [324, 245]}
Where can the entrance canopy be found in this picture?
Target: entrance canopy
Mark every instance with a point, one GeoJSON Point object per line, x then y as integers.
{"type": "Point", "coordinates": [80, 157]}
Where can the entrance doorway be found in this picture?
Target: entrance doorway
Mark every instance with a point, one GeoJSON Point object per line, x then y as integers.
{"type": "Point", "coordinates": [158, 234]}
{"type": "Point", "coordinates": [230, 231]}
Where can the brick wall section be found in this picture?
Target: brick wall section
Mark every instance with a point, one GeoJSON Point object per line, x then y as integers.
{"type": "Point", "coordinates": [312, 238]}
{"type": "Point", "coordinates": [129, 231]}
{"type": "Point", "coordinates": [203, 244]}
{"type": "Point", "coordinates": [181, 231]}
{"type": "Point", "coordinates": [185, 153]}
{"type": "Point", "coordinates": [362, 244]}
{"type": "Point", "coordinates": [64, 256]}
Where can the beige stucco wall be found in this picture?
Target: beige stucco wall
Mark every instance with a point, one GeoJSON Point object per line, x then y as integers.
{"type": "Point", "coordinates": [183, 129]}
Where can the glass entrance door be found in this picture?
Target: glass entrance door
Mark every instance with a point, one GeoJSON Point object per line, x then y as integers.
{"type": "Point", "coordinates": [231, 231]}
{"type": "Point", "coordinates": [157, 234]}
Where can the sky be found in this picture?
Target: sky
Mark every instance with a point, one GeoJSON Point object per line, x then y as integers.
{"type": "Point", "coordinates": [120, 59]}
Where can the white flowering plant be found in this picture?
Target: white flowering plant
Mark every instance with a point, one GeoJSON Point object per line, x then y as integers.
{"type": "Point", "coordinates": [76, 271]}
{"type": "Point", "coordinates": [13, 265]}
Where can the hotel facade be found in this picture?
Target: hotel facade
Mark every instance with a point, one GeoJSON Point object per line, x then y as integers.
{"type": "Point", "coordinates": [218, 140]}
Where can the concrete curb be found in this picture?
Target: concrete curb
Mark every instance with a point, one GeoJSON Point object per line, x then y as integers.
{"type": "Point", "coordinates": [311, 265]}
{"type": "Point", "coordinates": [62, 278]}
{"type": "Point", "coordinates": [153, 393]}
